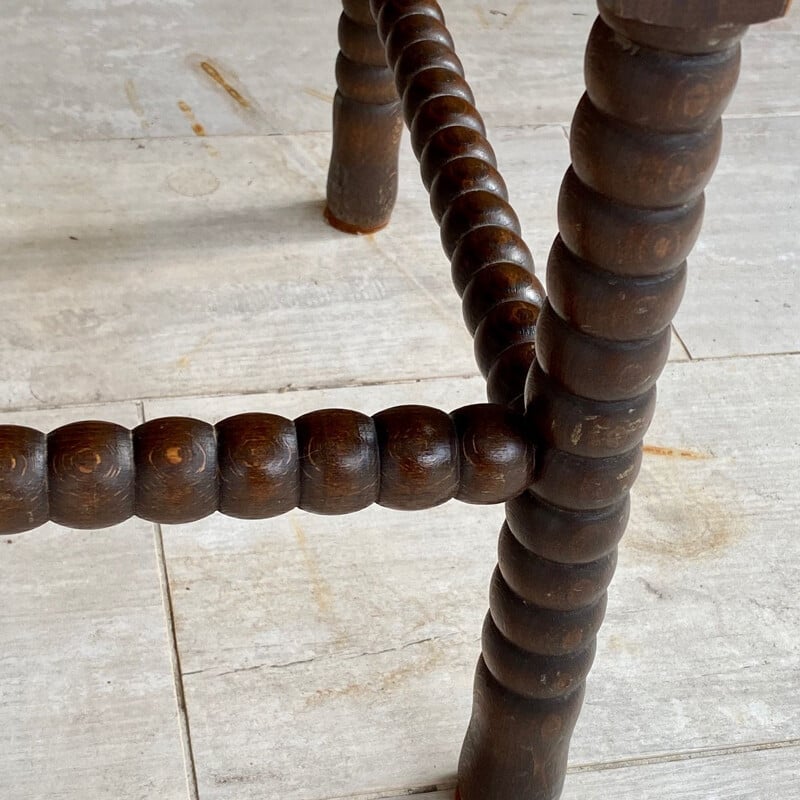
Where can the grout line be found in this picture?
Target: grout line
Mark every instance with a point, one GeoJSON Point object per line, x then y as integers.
{"type": "Point", "coordinates": [174, 654]}
{"type": "Point", "coordinates": [180, 697]}
{"type": "Point", "coordinates": [687, 755]}
{"type": "Point", "coordinates": [42, 140]}
{"type": "Point", "coordinates": [762, 115]}
{"type": "Point", "coordinates": [333, 386]}
{"type": "Point", "coordinates": [682, 343]}
{"type": "Point", "coordinates": [743, 357]}
{"type": "Point", "coordinates": [389, 794]}
{"type": "Point", "coordinates": [292, 389]}
{"type": "Point", "coordinates": [602, 766]}
{"type": "Point", "coordinates": [289, 388]}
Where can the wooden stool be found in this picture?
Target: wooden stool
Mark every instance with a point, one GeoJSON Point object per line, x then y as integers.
{"type": "Point", "coordinates": [571, 376]}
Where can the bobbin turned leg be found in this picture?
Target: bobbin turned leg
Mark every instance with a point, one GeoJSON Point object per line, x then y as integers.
{"type": "Point", "coordinates": [362, 178]}
{"type": "Point", "coordinates": [644, 142]}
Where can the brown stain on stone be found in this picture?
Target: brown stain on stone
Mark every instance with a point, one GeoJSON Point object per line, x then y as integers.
{"type": "Point", "coordinates": [381, 682]}
{"type": "Point", "coordinates": [677, 452]}
{"type": "Point", "coordinates": [619, 644]}
{"type": "Point", "coordinates": [695, 523]}
{"type": "Point", "coordinates": [216, 75]}
{"type": "Point", "coordinates": [312, 92]}
{"type": "Point", "coordinates": [197, 127]}
{"type": "Point", "coordinates": [225, 80]}
{"type": "Point", "coordinates": [319, 588]}
{"type": "Point", "coordinates": [136, 104]}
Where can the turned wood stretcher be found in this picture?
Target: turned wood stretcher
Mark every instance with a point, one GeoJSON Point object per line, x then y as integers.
{"type": "Point", "coordinates": [570, 374]}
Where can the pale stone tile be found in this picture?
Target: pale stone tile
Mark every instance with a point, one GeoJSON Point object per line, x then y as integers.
{"type": "Point", "coordinates": [87, 69]}
{"type": "Point", "coordinates": [743, 295]}
{"type": "Point", "coordinates": [87, 704]}
{"type": "Point", "coordinates": [694, 776]}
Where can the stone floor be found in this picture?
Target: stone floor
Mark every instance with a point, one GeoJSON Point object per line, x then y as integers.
{"type": "Point", "coordinates": [150, 270]}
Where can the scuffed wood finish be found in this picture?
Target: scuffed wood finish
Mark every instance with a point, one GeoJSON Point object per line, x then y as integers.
{"type": "Point", "coordinates": [254, 466]}
{"type": "Point", "coordinates": [362, 177]}
{"type": "Point", "coordinates": [644, 142]}
{"type": "Point", "coordinates": [697, 14]}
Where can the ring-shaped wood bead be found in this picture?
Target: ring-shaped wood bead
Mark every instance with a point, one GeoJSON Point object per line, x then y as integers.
{"type": "Point", "coordinates": [419, 457]}
{"type": "Point", "coordinates": [339, 466]}
{"type": "Point", "coordinates": [542, 630]}
{"type": "Point", "coordinates": [564, 535]}
{"type": "Point", "coordinates": [91, 477]}
{"type": "Point", "coordinates": [176, 470]}
{"type": "Point", "coordinates": [550, 584]}
{"type": "Point", "coordinates": [23, 479]}
{"type": "Point", "coordinates": [537, 677]}
{"type": "Point", "coordinates": [495, 453]}
{"type": "Point", "coordinates": [258, 466]}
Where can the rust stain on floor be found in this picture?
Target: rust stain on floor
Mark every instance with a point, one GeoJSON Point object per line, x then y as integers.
{"type": "Point", "coordinates": [198, 129]}
{"type": "Point", "coordinates": [695, 522]}
{"type": "Point", "coordinates": [319, 589]}
{"type": "Point", "coordinates": [381, 682]}
{"type": "Point", "coordinates": [312, 92]}
{"type": "Point", "coordinates": [225, 80]}
{"type": "Point", "coordinates": [677, 452]}
{"type": "Point", "coordinates": [214, 73]}
{"type": "Point", "coordinates": [136, 104]}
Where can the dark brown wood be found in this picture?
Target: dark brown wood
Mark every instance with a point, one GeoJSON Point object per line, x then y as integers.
{"type": "Point", "coordinates": [339, 469]}
{"type": "Point", "coordinates": [419, 457]}
{"type": "Point", "coordinates": [618, 237]}
{"type": "Point", "coordinates": [259, 466]}
{"type": "Point", "coordinates": [537, 629]}
{"type": "Point", "coordinates": [644, 142]}
{"type": "Point", "coordinates": [469, 198]}
{"type": "Point", "coordinates": [565, 535]}
{"type": "Point", "coordinates": [255, 466]}
{"type": "Point", "coordinates": [485, 247]}
{"type": "Point", "coordinates": [91, 479]}
{"type": "Point", "coordinates": [367, 123]}
{"type": "Point", "coordinates": [596, 302]}
{"type": "Point", "coordinates": [585, 427]}
{"type": "Point", "coordinates": [694, 14]}
{"type": "Point", "coordinates": [495, 453]}
{"type": "Point", "coordinates": [581, 365]}
{"type": "Point", "coordinates": [503, 326]}
{"type": "Point", "coordinates": [176, 470]}
{"type": "Point", "coordinates": [497, 284]}
{"type": "Point", "coordinates": [24, 502]}
{"type": "Point", "coordinates": [508, 374]}
{"type": "Point", "coordinates": [600, 369]}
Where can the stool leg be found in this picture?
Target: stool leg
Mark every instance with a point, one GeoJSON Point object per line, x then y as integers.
{"type": "Point", "coordinates": [644, 143]}
{"type": "Point", "coordinates": [367, 123]}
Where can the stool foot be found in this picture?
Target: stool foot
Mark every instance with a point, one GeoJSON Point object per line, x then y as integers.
{"type": "Point", "coordinates": [367, 125]}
